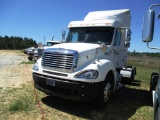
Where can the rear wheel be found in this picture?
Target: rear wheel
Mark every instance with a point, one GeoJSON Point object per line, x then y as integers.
{"type": "Point", "coordinates": [105, 93]}
{"type": "Point", "coordinates": [156, 111]}
{"type": "Point", "coordinates": [157, 116]}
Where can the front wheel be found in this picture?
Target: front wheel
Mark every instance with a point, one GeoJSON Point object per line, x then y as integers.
{"type": "Point", "coordinates": [105, 93]}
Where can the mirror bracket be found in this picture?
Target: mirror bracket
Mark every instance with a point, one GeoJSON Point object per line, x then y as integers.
{"type": "Point", "coordinates": [127, 44]}
{"type": "Point", "coordinates": [156, 48]}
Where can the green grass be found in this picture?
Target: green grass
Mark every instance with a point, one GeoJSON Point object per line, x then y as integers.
{"type": "Point", "coordinates": [17, 99]}
{"type": "Point", "coordinates": [145, 67]}
{"type": "Point", "coordinates": [149, 63]}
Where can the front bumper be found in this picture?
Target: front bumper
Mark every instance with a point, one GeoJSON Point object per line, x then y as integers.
{"type": "Point", "coordinates": [67, 89]}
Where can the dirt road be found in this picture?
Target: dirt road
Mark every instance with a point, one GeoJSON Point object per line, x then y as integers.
{"type": "Point", "coordinates": [12, 72]}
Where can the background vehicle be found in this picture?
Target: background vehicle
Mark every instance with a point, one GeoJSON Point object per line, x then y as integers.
{"type": "Point", "coordinates": [25, 51]}
{"type": "Point", "coordinates": [32, 53]}
{"type": "Point", "coordinates": [147, 36]}
{"type": "Point", "coordinates": [38, 53]}
{"type": "Point", "coordinates": [92, 62]}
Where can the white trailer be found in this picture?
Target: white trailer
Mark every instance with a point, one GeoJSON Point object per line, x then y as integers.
{"type": "Point", "coordinates": [91, 62]}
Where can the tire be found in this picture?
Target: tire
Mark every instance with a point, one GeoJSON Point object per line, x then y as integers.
{"type": "Point", "coordinates": [153, 81]}
{"type": "Point", "coordinates": [105, 93]}
{"type": "Point", "coordinates": [157, 114]}
{"type": "Point", "coordinates": [30, 58]}
{"type": "Point", "coordinates": [156, 111]}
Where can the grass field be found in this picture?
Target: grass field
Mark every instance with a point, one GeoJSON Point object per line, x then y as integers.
{"type": "Point", "coordinates": [132, 102]}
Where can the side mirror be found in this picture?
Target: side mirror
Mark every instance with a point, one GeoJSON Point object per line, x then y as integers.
{"type": "Point", "coordinates": [63, 35]}
{"type": "Point", "coordinates": [128, 35]}
{"type": "Point", "coordinates": [127, 44]}
{"type": "Point", "coordinates": [148, 26]}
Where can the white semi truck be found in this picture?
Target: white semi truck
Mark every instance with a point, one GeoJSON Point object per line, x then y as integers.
{"type": "Point", "coordinates": [147, 36]}
{"type": "Point", "coordinates": [91, 63]}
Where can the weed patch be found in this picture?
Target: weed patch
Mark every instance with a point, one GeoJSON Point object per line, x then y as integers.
{"type": "Point", "coordinates": [22, 103]}
{"type": "Point", "coordinates": [28, 62]}
{"type": "Point", "coordinates": [23, 99]}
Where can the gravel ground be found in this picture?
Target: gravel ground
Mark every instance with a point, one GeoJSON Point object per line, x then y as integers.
{"type": "Point", "coordinates": [12, 72]}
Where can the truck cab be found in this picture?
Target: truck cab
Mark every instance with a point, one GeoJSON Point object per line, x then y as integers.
{"type": "Point", "coordinates": [91, 62]}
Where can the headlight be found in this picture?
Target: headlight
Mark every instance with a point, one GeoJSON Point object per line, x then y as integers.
{"type": "Point", "coordinates": [90, 74]}
{"type": "Point", "coordinates": [35, 67]}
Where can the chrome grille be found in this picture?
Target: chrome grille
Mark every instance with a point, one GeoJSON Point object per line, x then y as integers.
{"type": "Point", "coordinates": [59, 61]}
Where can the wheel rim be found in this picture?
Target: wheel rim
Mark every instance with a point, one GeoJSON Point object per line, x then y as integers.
{"type": "Point", "coordinates": [107, 92]}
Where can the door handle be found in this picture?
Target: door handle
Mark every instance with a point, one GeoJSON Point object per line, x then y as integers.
{"type": "Point", "coordinates": [116, 52]}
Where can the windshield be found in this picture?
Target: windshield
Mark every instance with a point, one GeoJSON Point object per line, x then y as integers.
{"type": "Point", "coordinates": [51, 43]}
{"type": "Point", "coordinates": [96, 35]}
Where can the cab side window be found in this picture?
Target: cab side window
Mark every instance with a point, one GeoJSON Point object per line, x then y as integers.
{"type": "Point", "coordinates": [117, 41]}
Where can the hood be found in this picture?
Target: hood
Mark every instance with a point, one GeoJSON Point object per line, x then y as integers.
{"type": "Point", "coordinates": [83, 48]}
{"type": "Point", "coordinates": [84, 54]}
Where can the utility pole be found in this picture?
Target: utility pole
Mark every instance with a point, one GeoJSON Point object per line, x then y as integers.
{"type": "Point", "coordinates": [44, 39]}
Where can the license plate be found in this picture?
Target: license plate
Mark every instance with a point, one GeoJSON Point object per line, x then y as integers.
{"type": "Point", "coordinates": [50, 82]}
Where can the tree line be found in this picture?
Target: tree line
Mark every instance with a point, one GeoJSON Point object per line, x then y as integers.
{"type": "Point", "coordinates": [14, 42]}
{"type": "Point", "coordinates": [144, 54]}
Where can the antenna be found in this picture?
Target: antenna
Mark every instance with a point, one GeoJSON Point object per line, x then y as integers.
{"type": "Point", "coordinates": [52, 38]}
